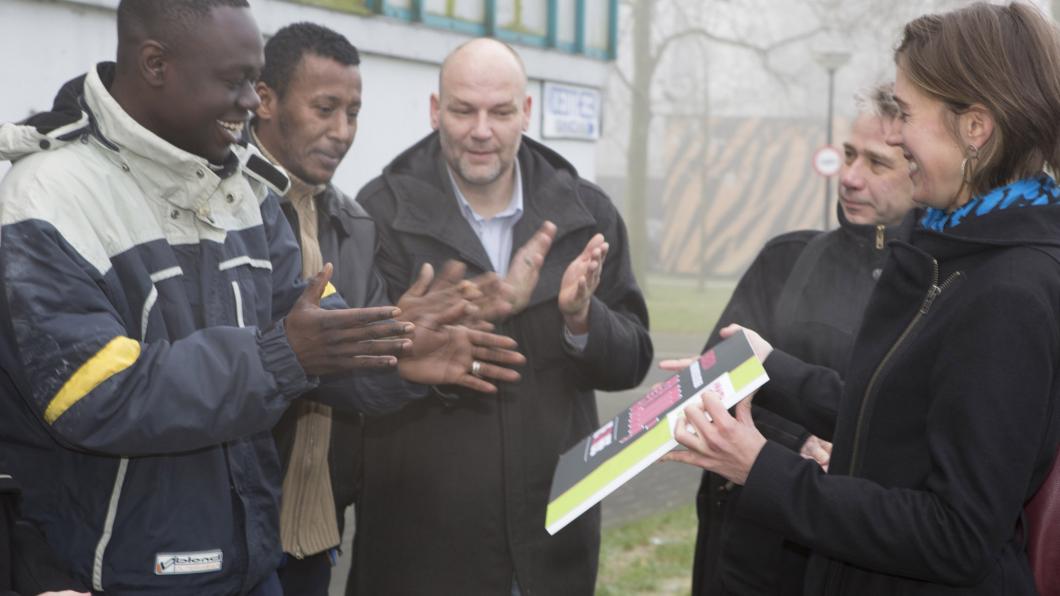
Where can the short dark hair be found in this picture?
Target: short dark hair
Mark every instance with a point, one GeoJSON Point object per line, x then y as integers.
{"type": "Point", "coordinates": [284, 51]}
{"type": "Point", "coordinates": [165, 19]}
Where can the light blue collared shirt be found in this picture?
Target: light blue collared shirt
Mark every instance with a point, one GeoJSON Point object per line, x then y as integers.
{"type": "Point", "coordinates": [495, 234]}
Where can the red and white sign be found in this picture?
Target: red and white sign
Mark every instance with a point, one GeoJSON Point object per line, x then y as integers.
{"type": "Point", "coordinates": [827, 160]}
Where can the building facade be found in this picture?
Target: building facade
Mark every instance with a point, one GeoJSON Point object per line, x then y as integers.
{"type": "Point", "coordinates": [567, 45]}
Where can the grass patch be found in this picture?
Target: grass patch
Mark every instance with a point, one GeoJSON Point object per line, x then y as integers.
{"type": "Point", "coordinates": [651, 556]}
{"type": "Point", "coordinates": [679, 305]}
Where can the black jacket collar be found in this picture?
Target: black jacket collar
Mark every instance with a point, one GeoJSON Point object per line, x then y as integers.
{"type": "Point", "coordinates": [1019, 226]}
{"type": "Point", "coordinates": [864, 233]}
{"type": "Point", "coordinates": [426, 203]}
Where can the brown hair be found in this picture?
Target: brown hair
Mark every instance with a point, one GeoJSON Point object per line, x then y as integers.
{"type": "Point", "coordinates": [1005, 58]}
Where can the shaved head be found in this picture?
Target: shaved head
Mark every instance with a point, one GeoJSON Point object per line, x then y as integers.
{"type": "Point", "coordinates": [186, 71]}
{"type": "Point", "coordinates": [163, 20]}
{"type": "Point", "coordinates": [485, 54]}
{"type": "Point", "coordinates": [481, 111]}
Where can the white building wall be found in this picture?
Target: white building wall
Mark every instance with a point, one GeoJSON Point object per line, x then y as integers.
{"type": "Point", "coordinates": [45, 43]}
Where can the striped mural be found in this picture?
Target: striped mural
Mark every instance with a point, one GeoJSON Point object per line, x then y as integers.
{"type": "Point", "coordinates": [727, 192]}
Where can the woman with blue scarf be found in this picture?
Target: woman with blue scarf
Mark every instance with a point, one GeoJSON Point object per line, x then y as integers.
{"type": "Point", "coordinates": [948, 418]}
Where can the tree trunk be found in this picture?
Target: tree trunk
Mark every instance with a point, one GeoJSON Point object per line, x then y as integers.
{"type": "Point", "coordinates": [637, 151]}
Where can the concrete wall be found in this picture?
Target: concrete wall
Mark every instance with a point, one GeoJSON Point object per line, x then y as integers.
{"type": "Point", "coordinates": [45, 43]}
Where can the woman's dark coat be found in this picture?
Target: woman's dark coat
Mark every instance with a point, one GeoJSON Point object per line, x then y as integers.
{"type": "Point", "coordinates": [946, 424]}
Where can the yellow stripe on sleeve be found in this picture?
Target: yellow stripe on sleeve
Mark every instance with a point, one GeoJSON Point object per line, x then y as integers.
{"type": "Point", "coordinates": [119, 354]}
{"type": "Point", "coordinates": [328, 290]}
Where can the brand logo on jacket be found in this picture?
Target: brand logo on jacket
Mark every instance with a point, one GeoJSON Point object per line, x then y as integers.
{"type": "Point", "coordinates": [181, 563]}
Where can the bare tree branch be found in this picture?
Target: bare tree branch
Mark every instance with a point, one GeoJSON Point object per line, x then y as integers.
{"type": "Point", "coordinates": [700, 32]}
{"type": "Point", "coordinates": [763, 52]}
{"type": "Point", "coordinates": [623, 78]}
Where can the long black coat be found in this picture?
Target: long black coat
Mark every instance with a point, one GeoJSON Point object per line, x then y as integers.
{"type": "Point", "coordinates": [811, 310]}
{"type": "Point", "coordinates": [455, 493]}
{"type": "Point", "coordinates": [945, 426]}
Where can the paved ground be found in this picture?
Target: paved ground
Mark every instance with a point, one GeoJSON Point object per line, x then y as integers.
{"type": "Point", "coordinates": [663, 485]}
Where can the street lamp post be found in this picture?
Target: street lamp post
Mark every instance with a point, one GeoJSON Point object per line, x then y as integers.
{"type": "Point", "coordinates": [832, 61]}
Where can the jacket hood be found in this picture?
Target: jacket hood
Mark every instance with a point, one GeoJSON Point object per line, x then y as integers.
{"type": "Point", "coordinates": [66, 121]}
{"type": "Point", "coordinates": [84, 107]}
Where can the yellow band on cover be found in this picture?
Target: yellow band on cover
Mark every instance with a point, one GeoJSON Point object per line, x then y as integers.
{"type": "Point", "coordinates": [119, 354]}
{"type": "Point", "coordinates": [328, 290]}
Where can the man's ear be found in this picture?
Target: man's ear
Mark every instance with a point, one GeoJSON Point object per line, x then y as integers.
{"type": "Point", "coordinates": [153, 63]}
{"type": "Point", "coordinates": [436, 107]}
{"type": "Point", "coordinates": [527, 104]}
{"type": "Point", "coordinates": [269, 101]}
{"type": "Point", "coordinates": [976, 125]}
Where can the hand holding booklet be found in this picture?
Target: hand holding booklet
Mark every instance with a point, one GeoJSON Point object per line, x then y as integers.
{"type": "Point", "coordinates": [644, 432]}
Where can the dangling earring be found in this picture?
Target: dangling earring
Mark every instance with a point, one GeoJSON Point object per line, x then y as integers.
{"type": "Point", "coordinates": [972, 155]}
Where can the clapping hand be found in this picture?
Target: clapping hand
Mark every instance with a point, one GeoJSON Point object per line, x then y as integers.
{"type": "Point", "coordinates": [580, 280]}
{"type": "Point", "coordinates": [444, 352]}
{"type": "Point", "coordinates": [336, 341]}
{"type": "Point", "coordinates": [526, 264]}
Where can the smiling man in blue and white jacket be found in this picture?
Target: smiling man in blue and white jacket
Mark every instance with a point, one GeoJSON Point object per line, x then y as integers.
{"type": "Point", "coordinates": [153, 316]}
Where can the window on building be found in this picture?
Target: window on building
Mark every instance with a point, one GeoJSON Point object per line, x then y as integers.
{"type": "Point", "coordinates": [588, 27]}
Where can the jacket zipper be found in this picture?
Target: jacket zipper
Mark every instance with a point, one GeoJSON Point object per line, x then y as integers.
{"type": "Point", "coordinates": [933, 293]}
{"type": "Point", "coordinates": [880, 236]}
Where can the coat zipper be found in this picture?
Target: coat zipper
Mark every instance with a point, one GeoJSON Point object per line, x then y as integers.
{"type": "Point", "coordinates": [933, 292]}
{"type": "Point", "coordinates": [880, 236]}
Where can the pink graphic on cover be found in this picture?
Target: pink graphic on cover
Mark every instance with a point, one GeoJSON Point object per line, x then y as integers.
{"type": "Point", "coordinates": [601, 438]}
{"type": "Point", "coordinates": [719, 387]}
{"type": "Point", "coordinates": [707, 361]}
{"type": "Point", "coordinates": [647, 412]}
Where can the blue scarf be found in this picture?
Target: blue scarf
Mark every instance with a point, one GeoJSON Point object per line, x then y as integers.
{"type": "Point", "coordinates": [1036, 190]}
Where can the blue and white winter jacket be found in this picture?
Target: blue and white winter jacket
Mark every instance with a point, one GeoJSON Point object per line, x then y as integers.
{"type": "Point", "coordinates": [141, 313]}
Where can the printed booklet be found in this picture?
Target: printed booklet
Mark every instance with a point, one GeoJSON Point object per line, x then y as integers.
{"type": "Point", "coordinates": [644, 432]}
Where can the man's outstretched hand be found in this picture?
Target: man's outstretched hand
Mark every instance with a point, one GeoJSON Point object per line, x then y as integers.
{"type": "Point", "coordinates": [447, 356]}
{"type": "Point", "coordinates": [433, 302]}
{"type": "Point", "coordinates": [443, 350]}
{"type": "Point", "coordinates": [336, 341]}
{"type": "Point", "coordinates": [525, 267]}
{"type": "Point", "coordinates": [449, 299]}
